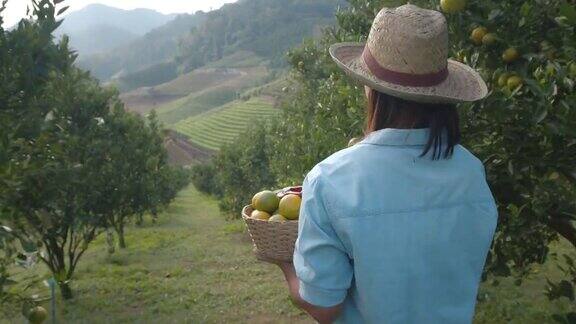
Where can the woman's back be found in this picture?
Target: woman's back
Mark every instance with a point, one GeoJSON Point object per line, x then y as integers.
{"type": "Point", "coordinates": [397, 228]}
{"type": "Point", "coordinates": [402, 238]}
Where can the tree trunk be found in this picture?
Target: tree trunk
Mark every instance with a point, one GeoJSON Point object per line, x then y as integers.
{"type": "Point", "coordinates": [65, 290]}
{"type": "Point", "coordinates": [121, 240]}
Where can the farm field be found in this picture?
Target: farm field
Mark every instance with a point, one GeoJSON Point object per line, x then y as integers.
{"type": "Point", "coordinates": [196, 267]}
{"type": "Point", "coordinates": [221, 126]}
{"type": "Point", "coordinates": [194, 93]}
{"type": "Point", "coordinates": [145, 99]}
{"type": "Point", "coordinates": [211, 97]}
{"type": "Point", "coordinates": [200, 90]}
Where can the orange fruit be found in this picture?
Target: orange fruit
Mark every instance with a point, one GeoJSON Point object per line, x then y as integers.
{"type": "Point", "coordinates": [503, 79]}
{"type": "Point", "coordinates": [478, 34]}
{"type": "Point", "coordinates": [572, 69]}
{"type": "Point", "coordinates": [37, 315]}
{"type": "Point", "coordinates": [254, 198]}
{"type": "Point", "coordinates": [265, 201]}
{"type": "Point", "coordinates": [261, 215]}
{"type": "Point", "coordinates": [290, 206]}
{"type": "Point", "coordinates": [489, 39]}
{"type": "Point", "coordinates": [514, 82]}
{"type": "Point", "coordinates": [452, 6]}
{"type": "Point", "coordinates": [277, 218]}
{"type": "Point", "coordinates": [510, 55]}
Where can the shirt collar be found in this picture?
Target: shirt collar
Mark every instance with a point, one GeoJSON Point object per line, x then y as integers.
{"type": "Point", "coordinates": [398, 137]}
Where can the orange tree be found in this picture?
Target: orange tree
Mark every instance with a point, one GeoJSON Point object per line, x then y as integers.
{"type": "Point", "coordinates": [135, 178]}
{"type": "Point", "coordinates": [71, 157]}
{"type": "Point", "coordinates": [19, 89]}
{"type": "Point", "coordinates": [525, 131]}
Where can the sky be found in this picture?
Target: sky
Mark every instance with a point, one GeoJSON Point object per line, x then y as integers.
{"type": "Point", "coordinates": [16, 9]}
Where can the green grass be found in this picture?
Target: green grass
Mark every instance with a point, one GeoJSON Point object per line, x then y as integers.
{"type": "Point", "coordinates": [218, 127]}
{"type": "Point", "coordinates": [507, 302]}
{"type": "Point", "coordinates": [192, 267]}
{"type": "Point", "coordinates": [195, 267]}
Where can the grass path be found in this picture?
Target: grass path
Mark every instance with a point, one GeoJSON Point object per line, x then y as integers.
{"type": "Point", "coordinates": [192, 267]}
{"type": "Point", "coordinates": [195, 267]}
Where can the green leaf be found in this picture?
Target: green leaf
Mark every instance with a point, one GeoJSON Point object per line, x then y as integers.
{"type": "Point", "coordinates": [566, 289]}
{"type": "Point", "coordinates": [6, 229]}
{"type": "Point", "coordinates": [495, 14]}
{"type": "Point", "coordinates": [569, 260]}
{"type": "Point", "coordinates": [63, 10]}
{"type": "Point", "coordinates": [541, 115]}
{"type": "Point", "coordinates": [522, 22]}
{"type": "Point", "coordinates": [525, 9]}
{"type": "Point", "coordinates": [28, 246]}
{"type": "Point", "coordinates": [554, 176]}
{"type": "Point", "coordinates": [569, 11]}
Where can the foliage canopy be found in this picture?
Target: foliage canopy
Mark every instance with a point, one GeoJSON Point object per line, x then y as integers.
{"type": "Point", "coordinates": [72, 160]}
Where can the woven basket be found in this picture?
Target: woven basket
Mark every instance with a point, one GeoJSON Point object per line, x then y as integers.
{"type": "Point", "coordinates": [272, 240]}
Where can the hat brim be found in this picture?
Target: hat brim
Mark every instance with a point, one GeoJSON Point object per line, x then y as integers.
{"type": "Point", "coordinates": [463, 84]}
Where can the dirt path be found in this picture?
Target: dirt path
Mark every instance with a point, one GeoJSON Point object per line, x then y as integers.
{"type": "Point", "coordinates": [183, 152]}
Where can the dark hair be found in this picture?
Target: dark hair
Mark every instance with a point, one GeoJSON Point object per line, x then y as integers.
{"type": "Point", "coordinates": [385, 111]}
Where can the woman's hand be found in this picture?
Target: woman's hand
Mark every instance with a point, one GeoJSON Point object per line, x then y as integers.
{"type": "Point", "coordinates": [320, 314]}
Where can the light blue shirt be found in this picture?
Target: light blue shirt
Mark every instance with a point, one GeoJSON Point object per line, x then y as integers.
{"type": "Point", "coordinates": [397, 237]}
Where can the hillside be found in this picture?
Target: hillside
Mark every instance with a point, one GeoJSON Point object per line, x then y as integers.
{"type": "Point", "coordinates": [217, 127]}
{"type": "Point", "coordinates": [99, 28]}
{"type": "Point", "coordinates": [221, 93]}
{"type": "Point", "coordinates": [221, 126]}
{"type": "Point", "coordinates": [266, 27]}
{"type": "Point", "coordinates": [221, 64]}
{"type": "Point", "coordinates": [154, 48]}
{"type": "Point", "coordinates": [198, 91]}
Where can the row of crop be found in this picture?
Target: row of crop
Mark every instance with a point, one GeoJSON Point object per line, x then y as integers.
{"type": "Point", "coordinates": [215, 128]}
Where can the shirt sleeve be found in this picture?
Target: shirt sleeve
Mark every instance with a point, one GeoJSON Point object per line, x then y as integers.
{"type": "Point", "coordinates": [320, 259]}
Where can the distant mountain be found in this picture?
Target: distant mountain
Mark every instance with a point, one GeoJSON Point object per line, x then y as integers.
{"type": "Point", "coordinates": [266, 27]}
{"type": "Point", "coordinates": [156, 47]}
{"type": "Point", "coordinates": [98, 28]}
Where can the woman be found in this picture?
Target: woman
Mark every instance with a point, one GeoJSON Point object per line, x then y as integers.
{"type": "Point", "coordinates": [396, 229]}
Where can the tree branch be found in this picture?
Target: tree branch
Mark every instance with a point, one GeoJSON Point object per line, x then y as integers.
{"type": "Point", "coordinates": [79, 255]}
{"type": "Point", "coordinates": [71, 248]}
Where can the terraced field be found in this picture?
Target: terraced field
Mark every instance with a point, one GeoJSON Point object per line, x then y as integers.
{"type": "Point", "coordinates": [200, 90]}
{"type": "Point", "coordinates": [220, 126]}
{"type": "Point", "coordinates": [214, 96]}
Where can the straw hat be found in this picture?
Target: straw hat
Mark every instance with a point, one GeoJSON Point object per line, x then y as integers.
{"type": "Point", "coordinates": [406, 56]}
